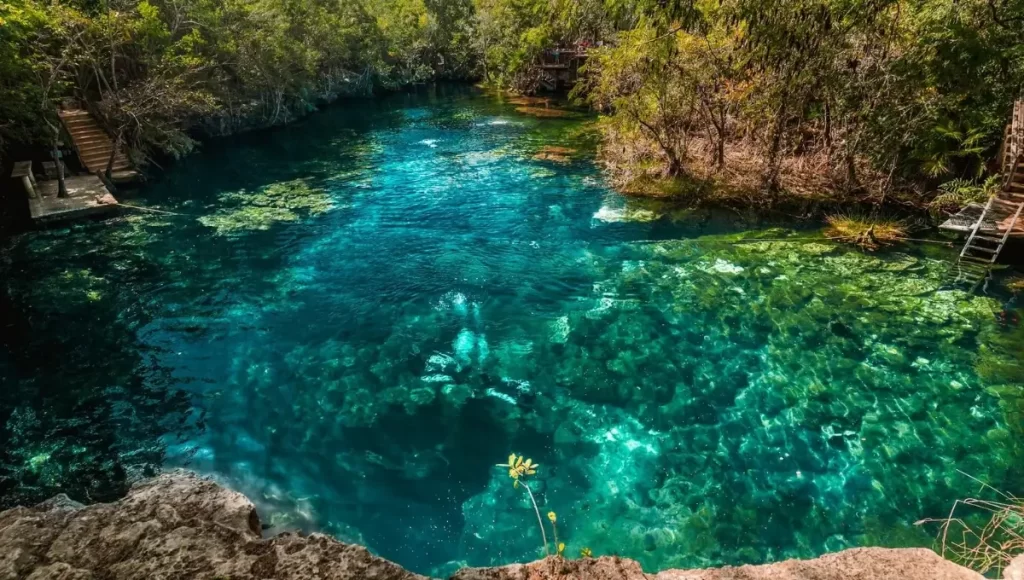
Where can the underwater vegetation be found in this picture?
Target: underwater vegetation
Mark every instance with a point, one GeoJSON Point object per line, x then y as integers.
{"type": "Point", "coordinates": [699, 390]}
{"type": "Point", "coordinates": [278, 202]}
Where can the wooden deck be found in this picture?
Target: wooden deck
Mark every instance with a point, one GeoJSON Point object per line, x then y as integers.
{"type": "Point", "coordinates": [963, 222]}
{"type": "Point", "coordinates": [84, 192]}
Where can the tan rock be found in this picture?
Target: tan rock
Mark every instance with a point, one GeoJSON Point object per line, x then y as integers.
{"type": "Point", "coordinates": [176, 526]}
{"type": "Point", "coordinates": [856, 564]}
{"type": "Point", "coordinates": [1015, 571]}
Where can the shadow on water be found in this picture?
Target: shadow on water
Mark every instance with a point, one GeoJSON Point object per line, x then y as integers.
{"type": "Point", "coordinates": [83, 405]}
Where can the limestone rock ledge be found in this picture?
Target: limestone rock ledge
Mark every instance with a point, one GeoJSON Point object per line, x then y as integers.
{"type": "Point", "coordinates": [182, 526]}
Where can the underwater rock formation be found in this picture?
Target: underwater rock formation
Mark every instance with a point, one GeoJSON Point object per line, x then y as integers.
{"type": "Point", "coordinates": [179, 525]}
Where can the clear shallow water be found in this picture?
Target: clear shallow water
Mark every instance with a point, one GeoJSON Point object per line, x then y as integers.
{"type": "Point", "coordinates": [354, 318]}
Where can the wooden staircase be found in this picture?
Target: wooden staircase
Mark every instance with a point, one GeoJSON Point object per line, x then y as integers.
{"type": "Point", "coordinates": [1001, 215]}
{"type": "Point", "coordinates": [94, 145]}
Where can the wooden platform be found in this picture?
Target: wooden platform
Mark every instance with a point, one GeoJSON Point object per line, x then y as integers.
{"type": "Point", "coordinates": [83, 191]}
{"type": "Point", "coordinates": [963, 222]}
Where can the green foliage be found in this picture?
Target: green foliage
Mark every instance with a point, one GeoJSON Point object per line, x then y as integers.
{"type": "Point", "coordinates": [158, 70]}
{"type": "Point", "coordinates": [511, 34]}
{"type": "Point", "coordinates": [957, 193]}
{"type": "Point", "coordinates": [872, 93]}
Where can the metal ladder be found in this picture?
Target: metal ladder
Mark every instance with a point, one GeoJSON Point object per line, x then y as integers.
{"type": "Point", "coordinates": [982, 250]}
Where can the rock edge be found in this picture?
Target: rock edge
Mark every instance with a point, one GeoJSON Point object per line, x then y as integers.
{"type": "Point", "coordinates": [182, 526]}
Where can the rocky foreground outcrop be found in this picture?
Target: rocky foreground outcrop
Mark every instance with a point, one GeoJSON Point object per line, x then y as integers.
{"type": "Point", "coordinates": [182, 526]}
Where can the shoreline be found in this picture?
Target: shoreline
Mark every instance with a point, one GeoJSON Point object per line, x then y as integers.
{"type": "Point", "coordinates": [187, 526]}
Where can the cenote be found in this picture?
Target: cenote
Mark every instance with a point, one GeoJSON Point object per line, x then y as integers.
{"type": "Point", "coordinates": [354, 318]}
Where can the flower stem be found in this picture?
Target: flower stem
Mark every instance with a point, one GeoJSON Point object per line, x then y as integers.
{"type": "Point", "coordinates": [540, 521]}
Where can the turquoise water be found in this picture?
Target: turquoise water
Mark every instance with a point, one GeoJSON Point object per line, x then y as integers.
{"type": "Point", "coordinates": [354, 318]}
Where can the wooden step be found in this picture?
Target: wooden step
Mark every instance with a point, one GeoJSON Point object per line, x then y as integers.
{"type": "Point", "coordinates": [91, 140]}
{"type": "Point", "coordinates": [102, 160]}
{"type": "Point", "coordinates": [992, 239]}
{"type": "Point", "coordinates": [981, 249]}
{"type": "Point", "coordinates": [97, 155]}
{"type": "Point", "coordinates": [75, 129]}
{"type": "Point", "coordinates": [102, 165]}
{"type": "Point", "coordinates": [92, 147]}
{"type": "Point", "coordinates": [83, 135]}
{"type": "Point", "coordinates": [83, 128]}
{"type": "Point", "coordinates": [976, 259]}
{"type": "Point", "coordinates": [95, 147]}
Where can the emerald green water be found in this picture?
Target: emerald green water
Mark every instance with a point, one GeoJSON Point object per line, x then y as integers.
{"type": "Point", "coordinates": [353, 319]}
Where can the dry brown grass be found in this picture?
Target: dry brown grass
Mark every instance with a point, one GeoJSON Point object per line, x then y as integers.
{"type": "Point", "coordinates": [868, 233]}
{"type": "Point", "coordinates": [525, 101]}
{"type": "Point", "coordinates": [1015, 284]}
{"type": "Point", "coordinates": [555, 154]}
{"type": "Point", "coordinates": [989, 545]}
{"type": "Point", "coordinates": [807, 177]}
{"type": "Point", "coordinates": [545, 112]}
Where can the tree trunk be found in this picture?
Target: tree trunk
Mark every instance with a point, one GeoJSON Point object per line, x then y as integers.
{"type": "Point", "coordinates": [828, 130]}
{"type": "Point", "coordinates": [62, 188]}
{"type": "Point", "coordinates": [113, 155]}
{"type": "Point", "coordinates": [771, 178]}
{"type": "Point", "coordinates": [720, 150]}
{"type": "Point", "coordinates": [851, 170]}
{"type": "Point", "coordinates": [675, 166]}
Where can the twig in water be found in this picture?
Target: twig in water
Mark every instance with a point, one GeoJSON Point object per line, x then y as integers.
{"type": "Point", "coordinates": [152, 210]}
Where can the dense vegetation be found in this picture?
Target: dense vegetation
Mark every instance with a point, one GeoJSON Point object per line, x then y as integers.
{"type": "Point", "coordinates": [837, 96]}
{"type": "Point", "coordinates": [825, 95]}
{"type": "Point", "coordinates": [160, 70]}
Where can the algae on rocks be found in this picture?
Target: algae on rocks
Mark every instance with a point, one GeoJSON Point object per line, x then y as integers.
{"type": "Point", "coordinates": [279, 202]}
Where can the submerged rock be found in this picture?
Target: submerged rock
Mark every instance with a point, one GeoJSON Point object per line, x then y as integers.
{"type": "Point", "coordinates": [279, 202]}
{"type": "Point", "coordinates": [179, 525]}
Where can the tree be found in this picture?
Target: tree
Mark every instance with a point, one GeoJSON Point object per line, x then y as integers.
{"type": "Point", "coordinates": [54, 59]}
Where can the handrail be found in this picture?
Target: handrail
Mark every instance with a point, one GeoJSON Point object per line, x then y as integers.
{"type": "Point", "coordinates": [1006, 235]}
{"type": "Point", "coordinates": [1011, 171]}
{"type": "Point", "coordinates": [1015, 146]}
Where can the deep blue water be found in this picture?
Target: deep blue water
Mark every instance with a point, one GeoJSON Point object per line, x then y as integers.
{"type": "Point", "coordinates": [354, 318]}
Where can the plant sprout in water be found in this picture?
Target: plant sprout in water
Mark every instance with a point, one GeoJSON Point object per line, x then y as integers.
{"type": "Point", "coordinates": [559, 546]}
{"type": "Point", "coordinates": [519, 469]}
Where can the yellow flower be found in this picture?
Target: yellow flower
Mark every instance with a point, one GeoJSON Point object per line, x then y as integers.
{"type": "Point", "coordinates": [552, 517]}
{"type": "Point", "coordinates": [585, 553]}
{"type": "Point", "coordinates": [519, 467]}
{"type": "Point", "coordinates": [561, 548]}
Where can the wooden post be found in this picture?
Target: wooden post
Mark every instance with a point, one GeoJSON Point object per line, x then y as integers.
{"type": "Point", "coordinates": [23, 169]}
